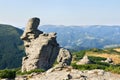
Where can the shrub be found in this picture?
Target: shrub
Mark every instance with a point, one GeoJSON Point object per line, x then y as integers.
{"type": "Point", "coordinates": [95, 50]}
{"type": "Point", "coordinates": [29, 72]}
{"type": "Point", "coordinates": [7, 73]}
{"type": "Point", "coordinates": [79, 55]}
{"type": "Point", "coordinates": [103, 63]}
{"type": "Point", "coordinates": [104, 66]}
{"type": "Point", "coordinates": [88, 66]}
{"type": "Point", "coordinates": [96, 59]}
{"type": "Point", "coordinates": [55, 63]}
{"type": "Point", "coordinates": [113, 68]}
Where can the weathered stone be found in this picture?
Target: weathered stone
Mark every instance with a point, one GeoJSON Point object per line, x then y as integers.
{"type": "Point", "coordinates": [84, 60]}
{"type": "Point", "coordinates": [73, 74]}
{"type": "Point", "coordinates": [108, 60]}
{"type": "Point", "coordinates": [31, 31]}
{"type": "Point", "coordinates": [41, 48]}
{"type": "Point", "coordinates": [64, 58]}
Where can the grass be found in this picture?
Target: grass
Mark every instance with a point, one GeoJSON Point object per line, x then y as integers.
{"type": "Point", "coordinates": [29, 72]}
{"type": "Point", "coordinates": [115, 57]}
{"type": "Point", "coordinates": [103, 66]}
{"type": "Point", "coordinates": [113, 68]}
{"type": "Point", "coordinates": [88, 66]}
{"type": "Point", "coordinates": [117, 49]}
{"type": "Point", "coordinates": [96, 56]}
{"type": "Point", "coordinates": [96, 59]}
{"type": "Point", "coordinates": [12, 73]}
{"type": "Point", "coordinates": [106, 53]}
{"type": "Point", "coordinates": [7, 73]}
{"type": "Point", "coordinates": [78, 55]}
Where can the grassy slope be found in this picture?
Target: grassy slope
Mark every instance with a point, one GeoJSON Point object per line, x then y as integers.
{"type": "Point", "coordinates": [106, 53]}
{"type": "Point", "coordinates": [96, 55]}
{"type": "Point", "coordinates": [11, 47]}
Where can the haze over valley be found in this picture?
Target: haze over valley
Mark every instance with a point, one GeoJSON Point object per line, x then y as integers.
{"type": "Point", "coordinates": [85, 37]}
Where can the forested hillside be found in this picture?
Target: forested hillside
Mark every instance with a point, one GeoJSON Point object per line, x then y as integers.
{"type": "Point", "coordinates": [11, 47]}
{"type": "Point", "coordinates": [85, 37]}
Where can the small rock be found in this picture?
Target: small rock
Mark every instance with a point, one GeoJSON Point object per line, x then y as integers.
{"type": "Point", "coordinates": [109, 60]}
{"type": "Point", "coordinates": [84, 60]}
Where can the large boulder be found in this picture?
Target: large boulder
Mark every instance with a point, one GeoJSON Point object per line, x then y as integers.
{"type": "Point", "coordinates": [64, 57]}
{"type": "Point", "coordinates": [41, 48]}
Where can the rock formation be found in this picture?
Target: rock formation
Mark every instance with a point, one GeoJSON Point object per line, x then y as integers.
{"type": "Point", "coordinates": [71, 74]}
{"type": "Point", "coordinates": [108, 60]}
{"type": "Point", "coordinates": [64, 57]}
{"type": "Point", "coordinates": [41, 48]}
{"type": "Point", "coordinates": [84, 60]}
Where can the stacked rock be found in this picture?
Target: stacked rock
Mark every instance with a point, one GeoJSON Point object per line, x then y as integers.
{"type": "Point", "coordinates": [41, 48]}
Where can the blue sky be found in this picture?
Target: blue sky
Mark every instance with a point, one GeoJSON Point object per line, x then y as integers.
{"type": "Point", "coordinates": [61, 12]}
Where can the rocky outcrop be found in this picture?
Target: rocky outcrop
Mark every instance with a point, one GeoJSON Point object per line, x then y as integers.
{"type": "Point", "coordinates": [71, 74]}
{"type": "Point", "coordinates": [41, 48]}
{"type": "Point", "coordinates": [84, 60]}
{"type": "Point", "coordinates": [64, 57]}
{"type": "Point", "coordinates": [108, 60]}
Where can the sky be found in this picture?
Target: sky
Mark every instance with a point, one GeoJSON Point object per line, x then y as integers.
{"type": "Point", "coordinates": [60, 12]}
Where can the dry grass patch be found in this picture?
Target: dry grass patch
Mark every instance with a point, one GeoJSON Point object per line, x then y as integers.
{"type": "Point", "coordinates": [115, 57]}
{"type": "Point", "coordinates": [117, 49]}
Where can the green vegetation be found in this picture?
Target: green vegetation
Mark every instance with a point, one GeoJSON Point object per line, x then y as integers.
{"type": "Point", "coordinates": [112, 51]}
{"type": "Point", "coordinates": [102, 51]}
{"type": "Point", "coordinates": [96, 61]}
{"type": "Point", "coordinates": [11, 74]}
{"type": "Point", "coordinates": [87, 66]}
{"type": "Point", "coordinates": [78, 55]}
{"type": "Point", "coordinates": [18, 72]}
{"type": "Point", "coordinates": [11, 47]}
{"type": "Point", "coordinates": [12, 51]}
{"type": "Point", "coordinates": [97, 50]}
{"type": "Point", "coordinates": [105, 66]}
{"type": "Point", "coordinates": [114, 68]}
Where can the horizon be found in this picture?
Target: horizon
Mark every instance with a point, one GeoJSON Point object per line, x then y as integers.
{"type": "Point", "coordinates": [73, 26]}
{"type": "Point", "coordinates": [95, 25]}
{"type": "Point", "coordinates": [63, 12]}
{"type": "Point", "coordinates": [20, 27]}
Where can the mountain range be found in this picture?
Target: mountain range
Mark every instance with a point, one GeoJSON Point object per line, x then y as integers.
{"type": "Point", "coordinates": [71, 37]}
{"type": "Point", "coordinates": [85, 37]}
